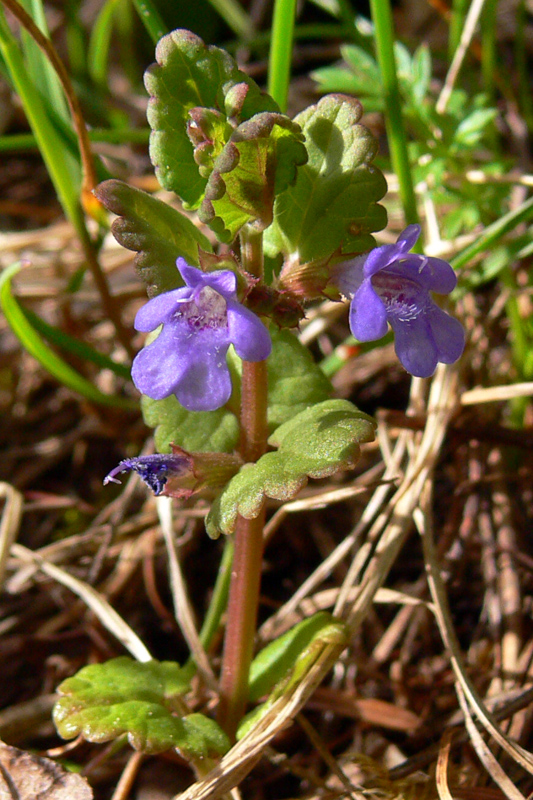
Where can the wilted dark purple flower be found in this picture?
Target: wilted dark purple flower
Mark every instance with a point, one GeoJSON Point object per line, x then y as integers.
{"type": "Point", "coordinates": [155, 470]}
{"type": "Point", "coordinates": [391, 285]}
{"type": "Point", "coordinates": [180, 474]}
{"type": "Point", "coordinates": [200, 321]}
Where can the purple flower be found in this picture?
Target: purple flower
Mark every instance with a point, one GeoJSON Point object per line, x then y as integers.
{"type": "Point", "coordinates": [200, 321]}
{"type": "Point", "coordinates": [180, 474]}
{"type": "Point", "coordinates": [391, 285]}
{"type": "Point", "coordinates": [154, 470]}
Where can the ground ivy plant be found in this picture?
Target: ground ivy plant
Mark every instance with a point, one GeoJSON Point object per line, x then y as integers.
{"type": "Point", "coordinates": [236, 402]}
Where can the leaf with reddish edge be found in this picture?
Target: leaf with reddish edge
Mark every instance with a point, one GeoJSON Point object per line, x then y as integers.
{"type": "Point", "coordinates": [259, 162]}
{"type": "Point", "coordinates": [158, 233]}
{"type": "Point", "coordinates": [189, 75]}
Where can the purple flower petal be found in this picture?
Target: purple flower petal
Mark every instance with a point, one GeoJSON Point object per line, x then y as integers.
{"type": "Point", "coordinates": [415, 346]}
{"type": "Point", "coordinates": [409, 237]}
{"type": "Point", "coordinates": [448, 334]}
{"type": "Point", "coordinates": [434, 274]}
{"type": "Point", "coordinates": [247, 333]}
{"type": "Point", "coordinates": [200, 321]}
{"type": "Point", "coordinates": [159, 309]}
{"type": "Point", "coordinates": [381, 257]}
{"type": "Point", "coordinates": [206, 383]}
{"type": "Point", "coordinates": [391, 285]}
{"type": "Point", "coordinates": [223, 281]}
{"type": "Point", "coordinates": [368, 314]}
{"type": "Point", "coordinates": [158, 368]}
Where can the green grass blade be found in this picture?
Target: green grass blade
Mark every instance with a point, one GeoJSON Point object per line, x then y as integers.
{"type": "Point", "coordinates": [40, 70]}
{"type": "Point", "coordinates": [71, 345]}
{"type": "Point", "coordinates": [151, 19]}
{"type": "Point", "coordinates": [62, 168]}
{"type": "Point", "coordinates": [521, 49]}
{"type": "Point", "coordinates": [234, 16]}
{"type": "Point", "coordinates": [100, 41]}
{"type": "Point", "coordinates": [489, 54]}
{"type": "Point", "coordinates": [384, 31]}
{"type": "Point", "coordinates": [76, 39]}
{"type": "Point", "coordinates": [458, 10]}
{"type": "Point", "coordinates": [27, 141]}
{"type": "Point", "coordinates": [32, 342]}
{"type": "Point", "coordinates": [280, 58]}
{"type": "Point", "coordinates": [493, 233]}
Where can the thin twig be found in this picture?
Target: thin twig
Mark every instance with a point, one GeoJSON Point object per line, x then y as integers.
{"type": "Point", "coordinates": [464, 686]}
{"type": "Point", "coordinates": [93, 599]}
{"type": "Point", "coordinates": [182, 607]}
{"type": "Point", "coordinates": [466, 37]}
{"type": "Point", "coordinates": [127, 779]}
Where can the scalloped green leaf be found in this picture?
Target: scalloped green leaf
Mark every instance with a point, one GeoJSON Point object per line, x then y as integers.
{"type": "Point", "coordinates": [294, 383]}
{"type": "Point", "coordinates": [155, 231]}
{"type": "Point", "coordinates": [190, 74]}
{"type": "Point", "coordinates": [314, 444]}
{"type": "Point", "coordinates": [334, 202]}
{"type": "Point", "coordinates": [124, 697]}
{"type": "Point", "coordinates": [259, 161]}
{"type": "Point", "coordinates": [195, 431]}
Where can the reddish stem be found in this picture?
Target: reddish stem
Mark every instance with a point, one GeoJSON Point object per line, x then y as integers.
{"type": "Point", "coordinates": [247, 560]}
{"type": "Point", "coordinates": [248, 555]}
{"type": "Point", "coordinates": [242, 618]}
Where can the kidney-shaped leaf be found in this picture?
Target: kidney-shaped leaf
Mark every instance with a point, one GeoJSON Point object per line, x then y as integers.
{"type": "Point", "coordinates": [314, 444]}
{"type": "Point", "coordinates": [294, 380]}
{"type": "Point", "coordinates": [334, 202]}
{"type": "Point", "coordinates": [122, 696]}
{"type": "Point", "coordinates": [258, 162]}
{"type": "Point", "coordinates": [194, 431]}
{"type": "Point", "coordinates": [189, 75]}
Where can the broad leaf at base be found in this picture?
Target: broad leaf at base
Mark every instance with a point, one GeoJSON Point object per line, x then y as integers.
{"type": "Point", "coordinates": [105, 701]}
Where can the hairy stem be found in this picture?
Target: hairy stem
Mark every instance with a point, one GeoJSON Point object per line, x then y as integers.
{"type": "Point", "coordinates": [246, 571]}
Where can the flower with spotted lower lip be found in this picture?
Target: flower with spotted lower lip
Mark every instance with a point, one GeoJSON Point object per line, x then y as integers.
{"type": "Point", "coordinates": [200, 321]}
{"type": "Point", "coordinates": [391, 285]}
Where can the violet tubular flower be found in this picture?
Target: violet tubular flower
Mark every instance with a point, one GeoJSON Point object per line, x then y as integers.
{"type": "Point", "coordinates": [200, 321]}
{"type": "Point", "coordinates": [391, 285]}
{"type": "Point", "coordinates": [155, 470]}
